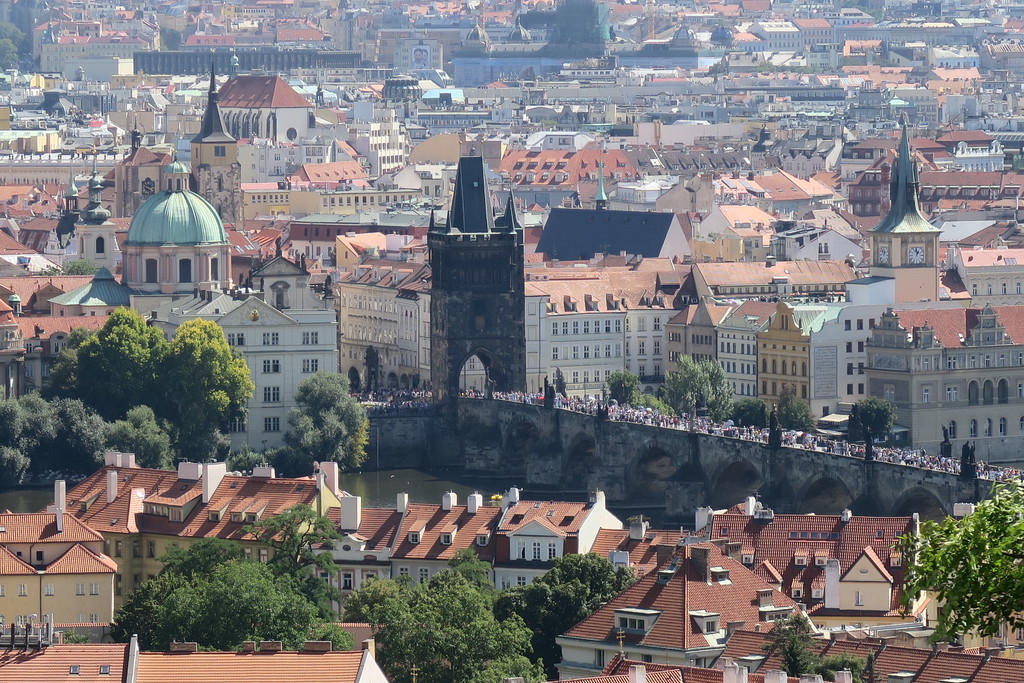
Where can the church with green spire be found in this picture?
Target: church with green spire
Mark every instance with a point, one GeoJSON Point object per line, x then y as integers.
{"type": "Point", "coordinates": [904, 245]}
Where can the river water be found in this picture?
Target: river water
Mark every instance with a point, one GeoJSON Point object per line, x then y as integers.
{"type": "Point", "coordinates": [377, 489]}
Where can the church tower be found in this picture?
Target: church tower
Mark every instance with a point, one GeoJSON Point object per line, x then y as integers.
{"type": "Point", "coordinates": [904, 245]}
{"type": "Point", "coordinates": [215, 164]}
{"type": "Point", "coordinates": [97, 240]}
{"type": "Point", "coordinates": [477, 300]}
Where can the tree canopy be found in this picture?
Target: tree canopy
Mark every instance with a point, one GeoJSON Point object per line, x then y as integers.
{"type": "Point", "coordinates": [82, 266]}
{"type": "Point", "coordinates": [698, 382]}
{"type": "Point", "coordinates": [561, 598]}
{"type": "Point", "coordinates": [623, 387]}
{"type": "Point", "coordinates": [792, 640]}
{"type": "Point", "coordinates": [974, 566]}
{"type": "Point", "coordinates": [877, 415]}
{"type": "Point", "coordinates": [750, 412]}
{"type": "Point", "coordinates": [327, 424]}
{"type": "Point", "coordinates": [795, 413]}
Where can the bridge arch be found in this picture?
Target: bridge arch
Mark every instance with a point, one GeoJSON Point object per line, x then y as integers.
{"type": "Point", "coordinates": [522, 440]}
{"type": "Point", "coordinates": [922, 501]}
{"type": "Point", "coordinates": [825, 495]}
{"type": "Point", "coordinates": [653, 468]}
{"type": "Point", "coordinates": [580, 462]}
{"type": "Point", "coordinates": [734, 482]}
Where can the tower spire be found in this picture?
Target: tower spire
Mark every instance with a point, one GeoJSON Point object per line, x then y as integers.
{"type": "Point", "coordinates": [601, 198]}
{"type": "Point", "coordinates": [904, 210]}
{"type": "Point", "coordinates": [213, 125]}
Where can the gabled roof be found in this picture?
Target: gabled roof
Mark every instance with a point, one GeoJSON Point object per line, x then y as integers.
{"type": "Point", "coordinates": [261, 92]}
{"type": "Point", "coordinates": [52, 664]}
{"type": "Point", "coordinates": [41, 527]}
{"type": "Point", "coordinates": [645, 553]}
{"type": "Point", "coordinates": [378, 526]}
{"type": "Point", "coordinates": [104, 290]}
{"type": "Point", "coordinates": [686, 590]}
{"type": "Point", "coordinates": [582, 233]}
{"type": "Point", "coordinates": [564, 519]}
{"type": "Point", "coordinates": [250, 667]}
{"type": "Point", "coordinates": [80, 560]}
{"type": "Point", "coordinates": [431, 521]}
{"type": "Point", "coordinates": [212, 130]}
{"type": "Point", "coordinates": [12, 565]}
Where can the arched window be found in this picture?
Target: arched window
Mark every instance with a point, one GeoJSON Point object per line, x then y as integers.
{"type": "Point", "coordinates": [185, 270]}
{"type": "Point", "coordinates": [1003, 391]}
{"type": "Point", "coordinates": [215, 269]}
{"type": "Point", "coordinates": [101, 245]}
{"type": "Point", "coordinates": [774, 369]}
{"type": "Point", "coordinates": [151, 270]}
{"type": "Point", "coordinates": [280, 290]}
{"type": "Point", "coordinates": [803, 369]}
{"type": "Point", "coordinates": [988, 426]}
{"type": "Point", "coordinates": [972, 393]}
{"type": "Point", "coordinates": [988, 392]}
{"type": "Point", "coordinates": [792, 368]}
{"type": "Point", "coordinates": [1002, 426]}
{"type": "Point", "coordinates": [973, 432]}
{"type": "Point", "coordinates": [952, 428]}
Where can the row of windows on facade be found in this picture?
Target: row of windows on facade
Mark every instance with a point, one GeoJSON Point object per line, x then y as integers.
{"type": "Point", "coordinates": [564, 353]}
{"type": "Point", "coordinates": [780, 369]}
{"type": "Point", "coordinates": [977, 394]}
{"type": "Point", "coordinates": [272, 339]}
{"type": "Point", "coordinates": [957, 361]}
{"type": "Point", "coordinates": [608, 324]}
{"type": "Point", "coordinates": [784, 386]}
{"type": "Point", "coordinates": [184, 269]}
{"type": "Point", "coordinates": [239, 425]}
{"type": "Point", "coordinates": [974, 288]}
{"type": "Point", "coordinates": [49, 590]}
{"type": "Point", "coordinates": [986, 425]}
{"type": "Point", "coordinates": [273, 365]}
{"type": "Point", "coordinates": [23, 619]}
{"type": "Point", "coordinates": [385, 200]}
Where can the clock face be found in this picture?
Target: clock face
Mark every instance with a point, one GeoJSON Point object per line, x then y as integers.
{"type": "Point", "coordinates": [883, 253]}
{"type": "Point", "coordinates": [915, 255]}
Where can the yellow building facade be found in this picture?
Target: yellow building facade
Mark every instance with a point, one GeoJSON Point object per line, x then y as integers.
{"type": "Point", "coordinates": [783, 357]}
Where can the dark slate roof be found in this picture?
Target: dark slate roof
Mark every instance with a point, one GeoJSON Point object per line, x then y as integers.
{"type": "Point", "coordinates": [471, 205]}
{"type": "Point", "coordinates": [572, 234]}
{"type": "Point", "coordinates": [213, 124]}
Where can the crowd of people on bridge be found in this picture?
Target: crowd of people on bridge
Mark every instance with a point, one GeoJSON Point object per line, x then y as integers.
{"type": "Point", "coordinates": [395, 402]}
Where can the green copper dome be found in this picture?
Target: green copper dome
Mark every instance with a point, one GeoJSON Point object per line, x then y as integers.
{"type": "Point", "coordinates": [176, 218]}
{"type": "Point", "coordinates": [176, 167]}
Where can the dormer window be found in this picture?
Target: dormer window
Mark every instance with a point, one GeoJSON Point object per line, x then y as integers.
{"type": "Point", "coordinates": [817, 593]}
{"type": "Point", "coordinates": [446, 539]}
{"type": "Point", "coordinates": [820, 560]}
{"type": "Point", "coordinates": [748, 558]}
{"type": "Point", "coordinates": [414, 537]}
{"type": "Point", "coordinates": [236, 517]}
{"type": "Point", "coordinates": [214, 515]}
{"type": "Point", "coordinates": [481, 539]}
{"type": "Point", "coordinates": [800, 560]}
{"type": "Point", "coordinates": [797, 593]}
{"type": "Point", "coordinates": [706, 622]}
{"type": "Point", "coordinates": [636, 619]}
{"type": "Point", "coordinates": [896, 559]}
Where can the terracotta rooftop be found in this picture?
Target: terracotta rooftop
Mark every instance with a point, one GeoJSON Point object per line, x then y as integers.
{"type": "Point", "coordinates": [953, 327]}
{"type": "Point", "coordinates": [41, 527]}
{"type": "Point", "coordinates": [645, 554]}
{"type": "Point", "coordinates": [80, 560]}
{"type": "Point", "coordinates": [244, 667]}
{"type": "Point", "coordinates": [261, 92]}
{"type": "Point", "coordinates": [54, 663]}
{"type": "Point", "coordinates": [430, 521]}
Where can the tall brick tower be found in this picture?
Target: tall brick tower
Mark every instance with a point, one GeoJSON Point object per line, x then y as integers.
{"type": "Point", "coordinates": [477, 304]}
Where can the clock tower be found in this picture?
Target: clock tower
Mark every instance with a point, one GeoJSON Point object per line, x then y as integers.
{"type": "Point", "coordinates": [904, 245]}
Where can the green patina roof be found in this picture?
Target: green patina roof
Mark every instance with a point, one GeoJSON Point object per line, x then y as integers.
{"type": "Point", "coordinates": [176, 167]}
{"type": "Point", "coordinates": [176, 218]}
{"type": "Point", "coordinates": [102, 291]}
{"type": "Point", "coordinates": [904, 212]}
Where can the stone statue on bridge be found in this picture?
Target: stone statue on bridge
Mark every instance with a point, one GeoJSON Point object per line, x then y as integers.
{"type": "Point", "coordinates": [869, 445]}
{"type": "Point", "coordinates": [945, 448]}
{"type": "Point", "coordinates": [774, 431]}
{"type": "Point", "coordinates": [968, 464]}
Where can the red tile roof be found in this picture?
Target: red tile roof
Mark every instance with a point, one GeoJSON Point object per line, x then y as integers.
{"type": "Point", "coordinates": [561, 517]}
{"type": "Point", "coordinates": [249, 667]}
{"type": "Point", "coordinates": [378, 526]}
{"type": "Point", "coordinates": [41, 527]}
{"type": "Point", "coordinates": [11, 565]}
{"type": "Point", "coordinates": [777, 542]}
{"type": "Point", "coordinates": [950, 324]}
{"type": "Point", "coordinates": [644, 554]}
{"type": "Point", "coordinates": [735, 600]}
{"type": "Point", "coordinates": [261, 92]}
{"type": "Point", "coordinates": [52, 664]}
{"type": "Point", "coordinates": [80, 560]}
{"type": "Point", "coordinates": [431, 521]}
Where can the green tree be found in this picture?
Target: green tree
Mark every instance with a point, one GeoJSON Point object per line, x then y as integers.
{"type": "Point", "coordinates": [63, 434]}
{"type": "Point", "coordinates": [117, 368]}
{"type": "Point", "coordinates": [694, 383]}
{"type": "Point", "coordinates": [467, 563]}
{"type": "Point", "coordinates": [82, 266]}
{"type": "Point", "coordinates": [795, 413]}
{"type": "Point", "coordinates": [63, 378]}
{"type": "Point", "coordinates": [750, 412]}
{"type": "Point", "coordinates": [829, 666]}
{"type": "Point", "coordinates": [246, 459]}
{"type": "Point", "coordinates": [561, 598]}
{"type": "Point", "coordinates": [11, 39]}
{"type": "Point", "coordinates": [446, 629]}
{"type": "Point", "coordinates": [877, 415]}
{"type": "Point", "coordinates": [792, 640]}
{"type": "Point", "coordinates": [295, 535]}
{"type": "Point", "coordinates": [366, 605]}
{"type": "Point", "coordinates": [974, 566]}
{"type": "Point", "coordinates": [12, 422]}
{"type": "Point", "coordinates": [13, 466]}
{"type": "Point", "coordinates": [623, 387]}
{"type": "Point", "coordinates": [141, 434]}
{"type": "Point", "coordinates": [170, 39]}
{"type": "Point", "coordinates": [328, 424]}
{"type": "Point", "coordinates": [206, 384]}
{"type": "Point", "coordinates": [200, 558]}
{"type": "Point", "coordinates": [654, 403]}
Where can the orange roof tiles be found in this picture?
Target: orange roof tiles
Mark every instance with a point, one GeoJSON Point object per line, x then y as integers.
{"type": "Point", "coordinates": [950, 324]}
{"type": "Point", "coordinates": [261, 92]}
{"type": "Point", "coordinates": [52, 664]}
{"type": "Point", "coordinates": [41, 527]}
{"type": "Point", "coordinates": [430, 521]}
{"type": "Point", "coordinates": [80, 560]}
{"type": "Point", "coordinates": [687, 590]}
{"type": "Point", "coordinates": [11, 565]}
{"type": "Point", "coordinates": [249, 667]}
{"type": "Point", "coordinates": [561, 517]}
{"type": "Point", "coordinates": [644, 554]}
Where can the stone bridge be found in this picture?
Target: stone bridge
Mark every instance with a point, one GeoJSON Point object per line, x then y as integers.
{"type": "Point", "coordinates": [665, 472]}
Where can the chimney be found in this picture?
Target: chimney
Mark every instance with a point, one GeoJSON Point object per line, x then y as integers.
{"type": "Point", "coordinates": [184, 647]}
{"type": "Point", "coordinates": [702, 518]}
{"type": "Point", "coordinates": [370, 645]}
{"type": "Point", "coordinates": [270, 646]}
{"type": "Point", "coordinates": [191, 471]}
{"type": "Point", "coordinates": [317, 646]}
{"type": "Point", "coordinates": [449, 500]}
{"type": "Point", "coordinates": [765, 597]}
{"type": "Point", "coordinates": [832, 584]}
{"type": "Point", "coordinates": [60, 499]}
{"type": "Point", "coordinates": [844, 676]}
{"type": "Point", "coordinates": [248, 646]}
{"type": "Point", "coordinates": [811, 678]}
{"type": "Point", "coordinates": [511, 498]}
{"type": "Point", "coordinates": [402, 502]}
{"type": "Point", "coordinates": [331, 477]}
{"type": "Point", "coordinates": [845, 516]}
{"type": "Point", "coordinates": [700, 559]}
{"type": "Point", "coordinates": [597, 499]}
{"type": "Point", "coordinates": [264, 471]}
{"type": "Point", "coordinates": [213, 475]}
{"type": "Point", "coordinates": [775, 676]}
{"type": "Point", "coordinates": [733, 626]}
{"type": "Point", "coordinates": [638, 529]}
{"type": "Point", "coordinates": [750, 506]}
{"type": "Point", "coordinates": [733, 673]}
{"type": "Point", "coordinates": [111, 485]}
{"type": "Point", "coordinates": [637, 673]}
{"type": "Point", "coordinates": [474, 502]}
{"type": "Point", "coordinates": [128, 460]}
{"type": "Point", "coordinates": [351, 512]}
